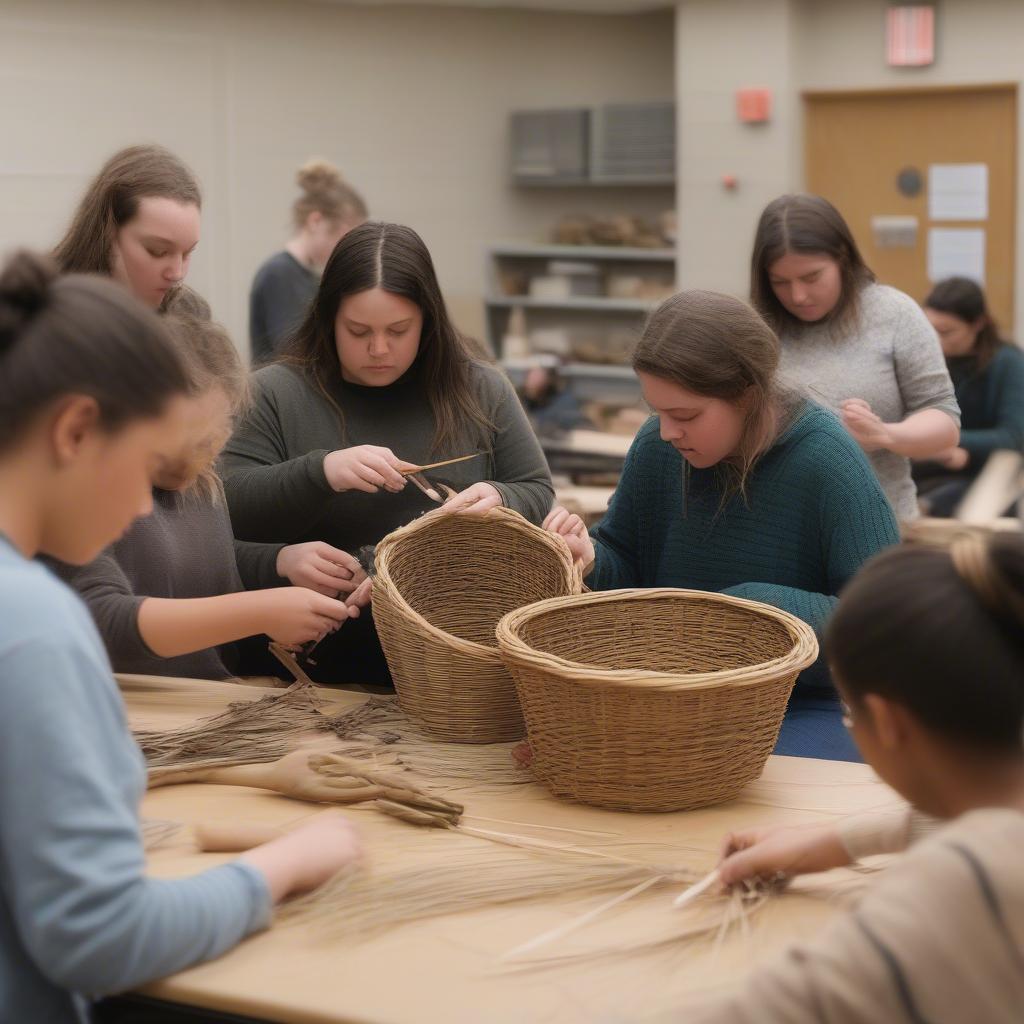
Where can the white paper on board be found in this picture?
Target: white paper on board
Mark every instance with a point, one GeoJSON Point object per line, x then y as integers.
{"type": "Point", "coordinates": [958, 191]}
{"type": "Point", "coordinates": [956, 252]}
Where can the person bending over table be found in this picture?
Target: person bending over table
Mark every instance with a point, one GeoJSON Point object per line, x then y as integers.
{"type": "Point", "coordinates": [93, 399]}
{"type": "Point", "coordinates": [740, 487]}
{"type": "Point", "coordinates": [927, 647]}
{"type": "Point", "coordinates": [376, 379]}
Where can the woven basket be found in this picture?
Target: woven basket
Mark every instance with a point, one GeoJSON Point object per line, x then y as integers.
{"type": "Point", "coordinates": [442, 584]}
{"type": "Point", "coordinates": [653, 700]}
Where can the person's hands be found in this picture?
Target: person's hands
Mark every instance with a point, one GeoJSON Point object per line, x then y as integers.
{"type": "Point", "coordinates": [319, 566]}
{"type": "Point", "coordinates": [307, 856]}
{"type": "Point", "coordinates": [769, 852]}
{"type": "Point", "coordinates": [954, 458]}
{"type": "Point", "coordinates": [476, 499]}
{"type": "Point", "coordinates": [365, 467]}
{"type": "Point", "coordinates": [571, 528]}
{"type": "Point", "coordinates": [866, 428]}
{"type": "Point", "coordinates": [360, 597]}
{"type": "Point", "coordinates": [294, 616]}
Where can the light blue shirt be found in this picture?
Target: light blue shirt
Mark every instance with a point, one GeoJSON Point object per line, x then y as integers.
{"type": "Point", "coordinates": [78, 917]}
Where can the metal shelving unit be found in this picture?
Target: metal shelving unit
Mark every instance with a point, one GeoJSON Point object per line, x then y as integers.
{"type": "Point", "coordinates": [520, 261]}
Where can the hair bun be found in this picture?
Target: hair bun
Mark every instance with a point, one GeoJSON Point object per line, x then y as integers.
{"type": "Point", "coordinates": [24, 290]}
{"type": "Point", "coordinates": [318, 176]}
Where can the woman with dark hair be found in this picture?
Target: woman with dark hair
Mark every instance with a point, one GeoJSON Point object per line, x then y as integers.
{"type": "Point", "coordinates": [285, 284]}
{"type": "Point", "coordinates": [927, 649]}
{"type": "Point", "coordinates": [93, 402]}
{"type": "Point", "coordinates": [988, 375]}
{"type": "Point", "coordinates": [860, 347]}
{"type": "Point", "coordinates": [138, 223]}
{"type": "Point", "coordinates": [377, 378]}
{"type": "Point", "coordinates": [737, 486]}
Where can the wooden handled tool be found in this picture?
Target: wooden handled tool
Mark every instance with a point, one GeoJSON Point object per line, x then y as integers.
{"type": "Point", "coordinates": [438, 465]}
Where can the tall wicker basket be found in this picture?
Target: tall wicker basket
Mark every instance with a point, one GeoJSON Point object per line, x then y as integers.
{"type": "Point", "coordinates": [442, 584]}
{"type": "Point", "coordinates": [652, 700]}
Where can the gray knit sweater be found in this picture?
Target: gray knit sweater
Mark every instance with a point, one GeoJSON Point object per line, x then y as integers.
{"type": "Point", "coordinates": [891, 358]}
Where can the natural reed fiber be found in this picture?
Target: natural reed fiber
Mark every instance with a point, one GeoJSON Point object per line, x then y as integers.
{"type": "Point", "coordinates": [156, 832]}
{"type": "Point", "coordinates": [380, 730]}
{"type": "Point", "coordinates": [442, 584]}
{"type": "Point", "coordinates": [453, 876]}
{"type": "Point", "coordinates": [653, 700]}
{"type": "Point", "coordinates": [247, 732]}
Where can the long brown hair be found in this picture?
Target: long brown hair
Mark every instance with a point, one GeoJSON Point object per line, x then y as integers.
{"type": "Point", "coordinates": [940, 631]}
{"type": "Point", "coordinates": [324, 191]}
{"type": "Point", "coordinates": [213, 362]}
{"type": "Point", "coordinates": [394, 258]}
{"type": "Point", "coordinates": [79, 334]}
{"type": "Point", "coordinates": [717, 346]}
{"type": "Point", "coordinates": [813, 226]}
{"type": "Point", "coordinates": [112, 200]}
{"type": "Point", "coordinates": [963, 298]}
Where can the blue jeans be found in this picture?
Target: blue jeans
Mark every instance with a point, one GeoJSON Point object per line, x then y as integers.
{"type": "Point", "coordinates": [813, 727]}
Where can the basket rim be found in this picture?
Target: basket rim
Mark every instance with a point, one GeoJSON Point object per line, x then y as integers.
{"type": "Point", "coordinates": [803, 652]}
{"type": "Point", "coordinates": [431, 519]}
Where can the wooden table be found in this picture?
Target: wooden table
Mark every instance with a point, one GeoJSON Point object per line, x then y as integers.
{"type": "Point", "coordinates": [446, 968]}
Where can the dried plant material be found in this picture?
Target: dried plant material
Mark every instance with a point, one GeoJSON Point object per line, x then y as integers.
{"type": "Point", "coordinates": [443, 581]}
{"type": "Point", "coordinates": [584, 919]}
{"type": "Point", "coordinates": [719, 916]}
{"type": "Point", "coordinates": [157, 832]}
{"type": "Point", "coordinates": [451, 876]}
{"type": "Point", "coordinates": [247, 732]}
{"type": "Point", "coordinates": [379, 729]}
{"type": "Point", "coordinates": [624, 716]}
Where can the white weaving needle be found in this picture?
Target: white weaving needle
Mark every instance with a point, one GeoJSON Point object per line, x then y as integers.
{"type": "Point", "coordinates": [579, 922]}
{"type": "Point", "coordinates": [687, 896]}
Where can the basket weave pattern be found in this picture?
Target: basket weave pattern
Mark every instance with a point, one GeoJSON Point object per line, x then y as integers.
{"type": "Point", "coordinates": [653, 700]}
{"type": "Point", "coordinates": [443, 582]}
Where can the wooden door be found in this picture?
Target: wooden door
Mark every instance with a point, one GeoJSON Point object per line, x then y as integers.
{"type": "Point", "coordinates": [858, 143]}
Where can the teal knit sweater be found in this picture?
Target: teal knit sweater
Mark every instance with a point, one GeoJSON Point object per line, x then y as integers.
{"type": "Point", "coordinates": [991, 403]}
{"type": "Point", "coordinates": [814, 513]}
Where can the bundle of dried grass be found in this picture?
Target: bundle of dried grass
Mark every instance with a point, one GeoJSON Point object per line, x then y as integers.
{"type": "Point", "coordinates": [718, 916]}
{"type": "Point", "coordinates": [380, 730]}
{"type": "Point", "coordinates": [453, 876]}
{"type": "Point", "coordinates": [156, 832]}
{"type": "Point", "coordinates": [248, 732]}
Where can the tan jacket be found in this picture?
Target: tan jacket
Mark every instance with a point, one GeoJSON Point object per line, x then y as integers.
{"type": "Point", "coordinates": [938, 939]}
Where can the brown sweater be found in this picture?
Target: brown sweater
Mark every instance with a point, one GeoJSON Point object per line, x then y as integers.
{"type": "Point", "coordinates": [938, 939]}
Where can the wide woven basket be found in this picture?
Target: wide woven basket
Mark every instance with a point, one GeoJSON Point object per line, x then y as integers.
{"type": "Point", "coordinates": [652, 700]}
{"type": "Point", "coordinates": [443, 582]}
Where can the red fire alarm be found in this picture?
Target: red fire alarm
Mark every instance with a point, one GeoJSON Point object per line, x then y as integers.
{"type": "Point", "coordinates": [754, 106]}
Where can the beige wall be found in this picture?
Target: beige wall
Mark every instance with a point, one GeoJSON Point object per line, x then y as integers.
{"type": "Point", "coordinates": [411, 103]}
{"type": "Point", "coordinates": [833, 44]}
{"type": "Point", "coordinates": [723, 45]}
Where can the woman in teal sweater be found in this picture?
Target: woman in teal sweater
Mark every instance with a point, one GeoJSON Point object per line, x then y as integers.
{"type": "Point", "coordinates": [738, 487]}
{"type": "Point", "coordinates": [988, 377]}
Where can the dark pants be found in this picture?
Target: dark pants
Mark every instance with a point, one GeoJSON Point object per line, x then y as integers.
{"type": "Point", "coordinates": [940, 495]}
{"type": "Point", "coordinates": [813, 727]}
{"type": "Point", "coordinates": [351, 655]}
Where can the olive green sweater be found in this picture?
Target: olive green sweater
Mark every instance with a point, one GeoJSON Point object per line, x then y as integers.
{"type": "Point", "coordinates": [273, 466]}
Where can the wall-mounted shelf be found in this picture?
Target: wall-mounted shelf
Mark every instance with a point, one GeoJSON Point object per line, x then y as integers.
{"type": "Point", "coordinates": [598, 305]}
{"type": "Point", "coordinates": [653, 182]}
{"type": "Point", "coordinates": [583, 252]}
{"type": "Point", "coordinates": [573, 328]}
{"type": "Point", "coordinates": [590, 382]}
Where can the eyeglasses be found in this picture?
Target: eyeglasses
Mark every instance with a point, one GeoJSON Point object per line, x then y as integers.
{"type": "Point", "coordinates": [847, 714]}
